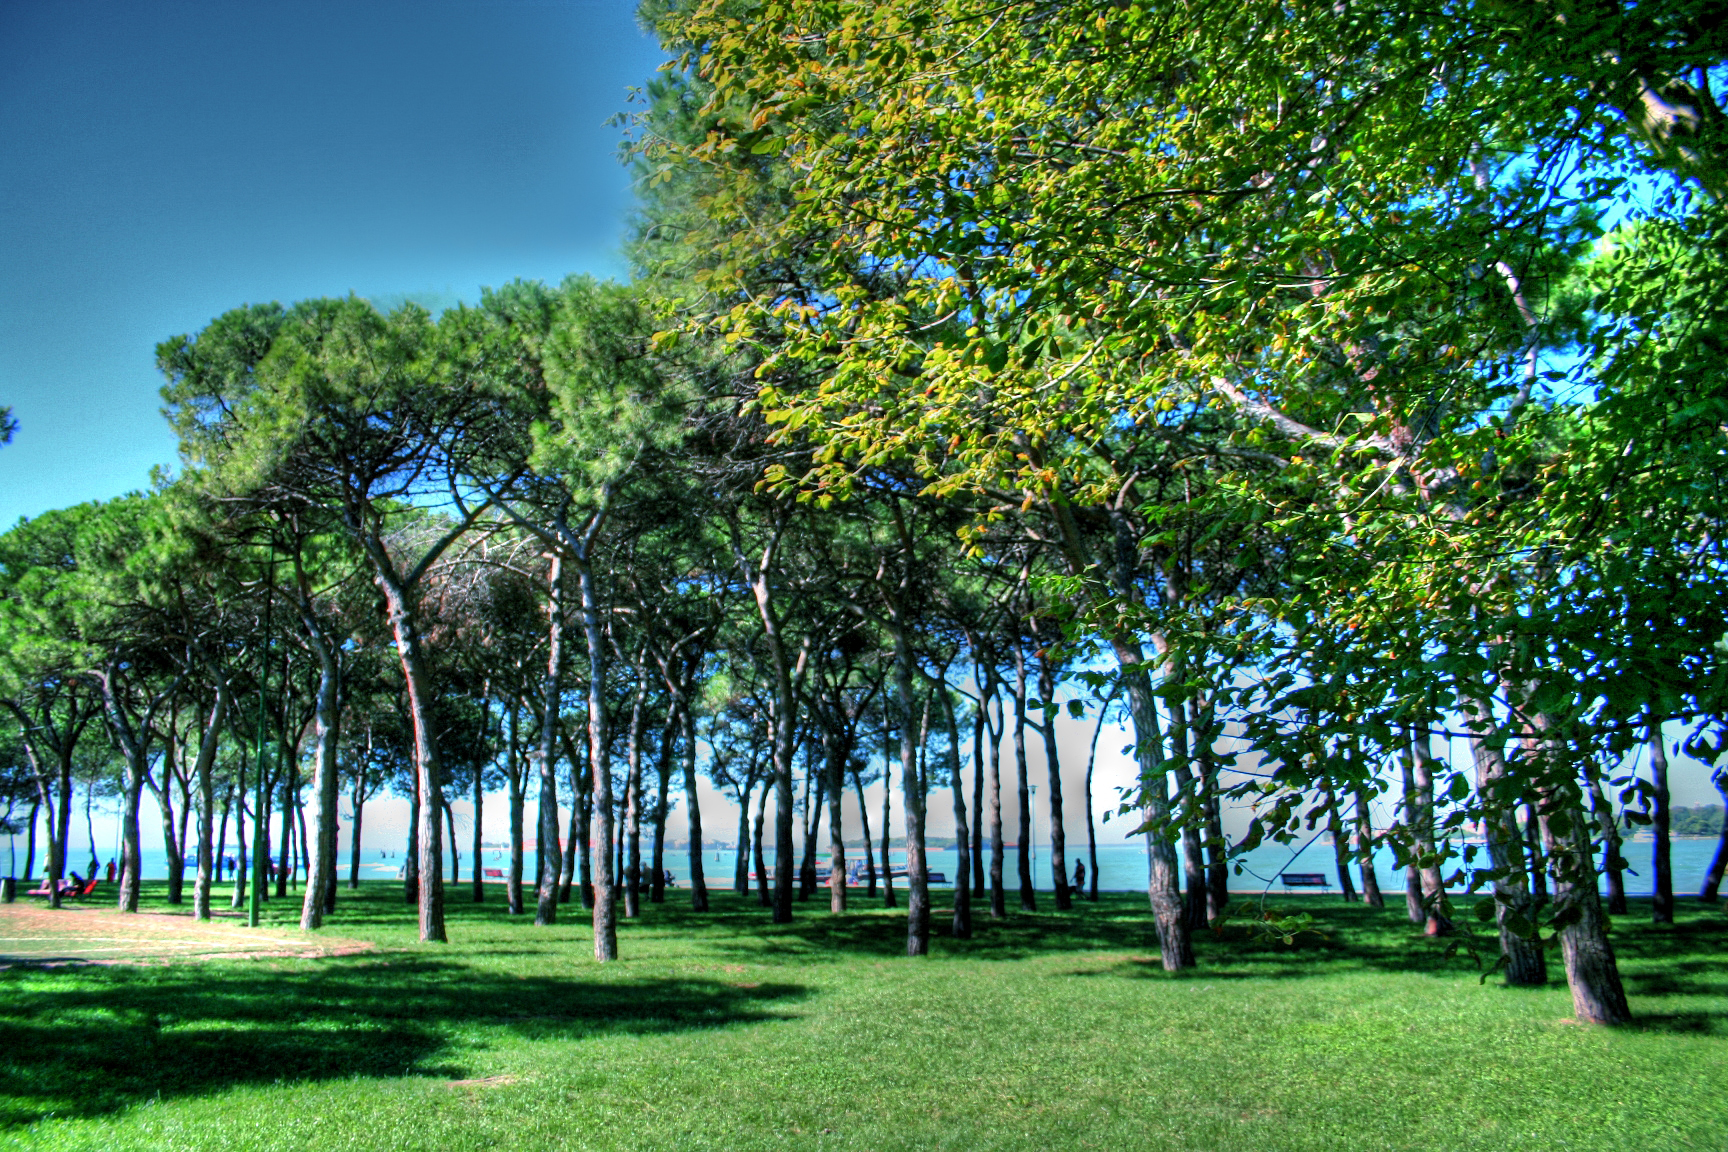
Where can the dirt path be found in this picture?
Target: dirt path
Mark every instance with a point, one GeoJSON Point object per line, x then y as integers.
{"type": "Point", "coordinates": [35, 934]}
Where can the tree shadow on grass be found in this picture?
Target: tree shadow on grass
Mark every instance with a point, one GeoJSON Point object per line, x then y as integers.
{"type": "Point", "coordinates": [88, 1041]}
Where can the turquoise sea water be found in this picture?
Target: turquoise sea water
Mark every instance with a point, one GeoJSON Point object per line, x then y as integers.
{"type": "Point", "coordinates": [1122, 867]}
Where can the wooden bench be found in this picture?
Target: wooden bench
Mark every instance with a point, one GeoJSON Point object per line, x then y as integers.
{"type": "Point", "coordinates": [495, 873]}
{"type": "Point", "coordinates": [1304, 880]}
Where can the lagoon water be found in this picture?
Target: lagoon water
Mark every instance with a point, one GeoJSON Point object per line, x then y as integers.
{"type": "Point", "coordinates": [1121, 867]}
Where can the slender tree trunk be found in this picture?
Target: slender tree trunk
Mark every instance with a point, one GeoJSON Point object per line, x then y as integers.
{"type": "Point", "coordinates": [578, 839]}
{"type": "Point", "coordinates": [998, 893]}
{"type": "Point", "coordinates": [698, 883]}
{"type": "Point", "coordinates": [741, 854]}
{"type": "Point", "coordinates": [326, 718]}
{"type": "Point", "coordinates": [1598, 996]}
{"type": "Point", "coordinates": [1193, 862]}
{"type": "Point", "coordinates": [1525, 963]}
{"type": "Point", "coordinates": [411, 857]}
{"type": "Point", "coordinates": [1613, 864]}
{"type": "Point", "coordinates": [165, 807]}
{"type": "Point", "coordinates": [518, 801]}
{"type": "Point", "coordinates": [1175, 945]}
{"type": "Point", "coordinates": [869, 849]}
{"type": "Point", "coordinates": [599, 767]}
{"type": "Point", "coordinates": [1365, 853]}
{"type": "Point", "coordinates": [1091, 824]}
{"type": "Point", "coordinates": [912, 790]}
{"type": "Point", "coordinates": [980, 727]}
{"type": "Point", "coordinates": [455, 856]}
{"type": "Point", "coordinates": [1411, 806]}
{"type": "Point", "coordinates": [290, 802]}
{"type": "Point", "coordinates": [1053, 767]}
{"type": "Point", "coordinates": [428, 767]}
{"type": "Point", "coordinates": [238, 899]}
{"type": "Point", "coordinates": [838, 753]}
{"type": "Point", "coordinates": [30, 840]}
{"type": "Point", "coordinates": [657, 889]}
{"type": "Point", "coordinates": [1340, 844]}
{"type": "Point", "coordinates": [633, 801]}
{"type": "Point", "coordinates": [812, 833]}
{"type": "Point", "coordinates": [1436, 908]}
{"type": "Point", "coordinates": [356, 800]}
{"type": "Point", "coordinates": [1023, 850]}
{"type": "Point", "coordinates": [1662, 899]}
{"type": "Point", "coordinates": [1711, 892]}
{"type": "Point", "coordinates": [202, 770]}
{"type": "Point", "coordinates": [1533, 846]}
{"type": "Point", "coordinates": [761, 862]}
{"type": "Point", "coordinates": [546, 749]}
{"type": "Point", "coordinates": [478, 859]}
{"type": "Point", "coordinates": [889, 899]}
{"type": "Point", "coordinates": [962, 926]}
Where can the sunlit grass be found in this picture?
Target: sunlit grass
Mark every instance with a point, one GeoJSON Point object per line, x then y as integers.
{"type": "Point", "coordinates": [720, 1031]}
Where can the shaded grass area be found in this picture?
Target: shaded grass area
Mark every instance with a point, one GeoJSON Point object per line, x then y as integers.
{"type": "Point", "coordinates": [1054, 1030]}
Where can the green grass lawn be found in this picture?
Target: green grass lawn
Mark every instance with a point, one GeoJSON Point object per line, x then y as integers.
{"type": "Point", "coordinates": [721, 1031]}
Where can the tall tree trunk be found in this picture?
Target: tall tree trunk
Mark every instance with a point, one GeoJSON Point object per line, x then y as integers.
{"type": "Point", "coordinates": [889, 900]}
{"type": "Point", "coordinates": [428, 766]}
{"type": "Point", "coordinates": [165, 808]}
{"type": "Point", "coordinates": [962, 926]}
{"type": "Point", "coordinates": [1175, 945]}
{"type": "Point", "coordinates": [633, 800]}
{"type": "Point", "coordinates": [202, 770]}
{"type": "Point", "coordinates": [869, 845]}
{"type": "Point", "coordinates": [518, 801]}
{"type": "Point", "coordinates": [980, 727]}
{"type": "Point", "coordinates": [839, 751]}
{"type": "Point", "coordinates": [455, 856]}
{"type": "Point", "coordinates": [1023, 850]}
{"type": "Point", "coordinates": [357, 801]}
{"type": "Point", "coordinates": [599, 765]}
{"type": "Point", "coordinates": [998, 893]}
{"type": "Point", "coordinates": [1598, 996]}
{"type": "Point", "coordinates": [741, 854]}
{"type": "Point", "coordinates": [1533, 846]}
{"type": "Point", "coordinates": [1662, 899]}
{"type": "Point", "coordinates": [290, 803]}
{"type": "Point", "coordinates": [912, 790]}
{"type": "Point", "coordinates": [1525, 962]}
{"type": "Point", "coordinates": [757, 857]}
{"type": "Point", "coordinates": [813, 786]}
{"type": "Point", "coordinates": [134, 746]}
{"type": "Point", "coordinates": [1613, 864]}
{"type": "Point", "coordinates": [1711, 892]}
{"type": "Point", "coordinates": [30, 840]}
{"type": "Point", "coordinates": [1340, 843]}
{"type": "Point", "coordinates": [1193, 862]}
{"type": "Point", "coordinates": [1217, 851]}
{"type": "Point", "coordinates": [1411, 807]}
{"type": "Point", "coordinates": [411, 857]}
{"type": "Point", "coordinates": [238, 899]}
{"type": "Point", "coordinates": [1053, 767]}
{"type": "Point", "coordinates": [1436, 907]}
{"type": "Point", "coordinates": [657, 889]}
{"type": "Point", "coordinates": [1365, 853]}
{"type": "Point", "coordinates": [546, 749]}
{"type": "Point", "coordinates": [1091, 828]}
{"type": "Point", "coordinates": [478, 859]}
{"type": "Point", "coordinates": [326, 720]}
{"type": "Point", "coordinates": [698, 883]}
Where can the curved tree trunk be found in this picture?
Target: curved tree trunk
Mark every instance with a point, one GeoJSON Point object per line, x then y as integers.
{"type": "Point", "coordinates": [1613, 864]}
{"type": "Point", "coordinates": [869, 845]}
{"type": "Point", "coordinates": [1525, 963]}
{"type": "Point", "coordinates": [546, 749]}
{"type": "Point", "coordinates": [1661, 862]}
{"type": "Point", "coordinates": [698, 883]}
{"type": "Point", "coordinates": [998, 894]}
{"type": "Point", "coordinates": [757, 858]}
{"type": "Point", "coordinates": [1365, 853]}
{"type": "Point", "coordinates": [1023, 850]}
{"type": "Point", "coordinates": [206, 763]}
{"type": "Point", "coordinates": [1175, 945]}
{"type": "Point", "coordinates": [1053, 768]}
{"type": "Point", "coordinates": [962, 926]}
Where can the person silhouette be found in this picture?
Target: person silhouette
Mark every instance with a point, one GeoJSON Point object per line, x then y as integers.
{"type": "Point", "coordinates": [1079, 874]}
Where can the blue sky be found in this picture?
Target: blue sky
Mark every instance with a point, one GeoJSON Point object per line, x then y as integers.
{"type": "Point", "coordinates": [161, 163]}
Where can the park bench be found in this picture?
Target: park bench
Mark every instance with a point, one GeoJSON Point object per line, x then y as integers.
{"type": "Point", "coordinates": [1304, 880]}
{"type": "Point", "coordinates": [494, 873]}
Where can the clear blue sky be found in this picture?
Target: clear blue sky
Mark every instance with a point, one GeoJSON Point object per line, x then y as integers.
{"type": "Point", "coordinates": [161, 163]}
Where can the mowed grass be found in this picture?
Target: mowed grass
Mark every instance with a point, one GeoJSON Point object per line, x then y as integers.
{"type": "Point", "coordinates": [1048, 1031]}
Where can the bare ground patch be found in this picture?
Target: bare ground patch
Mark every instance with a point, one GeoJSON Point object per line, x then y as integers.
{"type": "Point", "coordinates": [39, 935]}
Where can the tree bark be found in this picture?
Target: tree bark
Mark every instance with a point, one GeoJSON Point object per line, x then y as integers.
{"type": "Point", "coordinates": [1091, 827]}
{"type": "Point", "coordinates": [1661, 862]}
{"type": "Point", "coordinates": [657, 888]}
{"type": "Point", "coordinates": [889, 899]}
{"type": "Point", "coordinates": [546, 749]}
{"type": "Point", "coordinates": [962, 926]}
{"type": "Point", "coordinates": [357, 800]}
{"type": "Point", "coordinates": [757, 857]}
{"type": "Point", "coordinates": [1053, 767]}
{"type": "Point", "coordinates": [1711, 892]}
{"type": "Point", "coordinates": [839, 751]}
{"type": "Point", "coordinates": [203, 768]}
{"type": "Point", "coordinates": [1525, 963]}
{"type": "Point", "coordinates": [633, 800]}
{"type": "Point", "coordinates": [869, 845]}
{"type": "Point", "coordinates": [517, 802]}
{"type": "Point", "coordinates": [998, 894]}
{"type": "Point", "coordinates": [1591, 970]}
{"type": "Point", "coordinates": [1340, 843]}
{"type": "Point", "coordinates": [980, 726]}
{"type": "Point", "coordinates": [428, 767]}
{"type": "Point", "coordinates": [912, 791]}
{"type": "Point", "coordinates": [326, 732]}
{"type": "Point", "coordinates": [1613, 864]}
{"type": "Point", "coordinates": [1371, 894]}
{"type": "Point", "coordinates": [1023, 850]}
{"type": "Point", "coordinates": [1175, 945]}
{"type": "Point", "coordinates": [599, 767]}
{"type": "Point", "coordinates": [1436, 908]}
{"type": "Point", "coordinates": [698, 883]}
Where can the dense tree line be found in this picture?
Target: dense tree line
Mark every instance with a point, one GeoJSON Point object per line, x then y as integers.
{"type": "Point", "coordinates": [1334, 376]}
